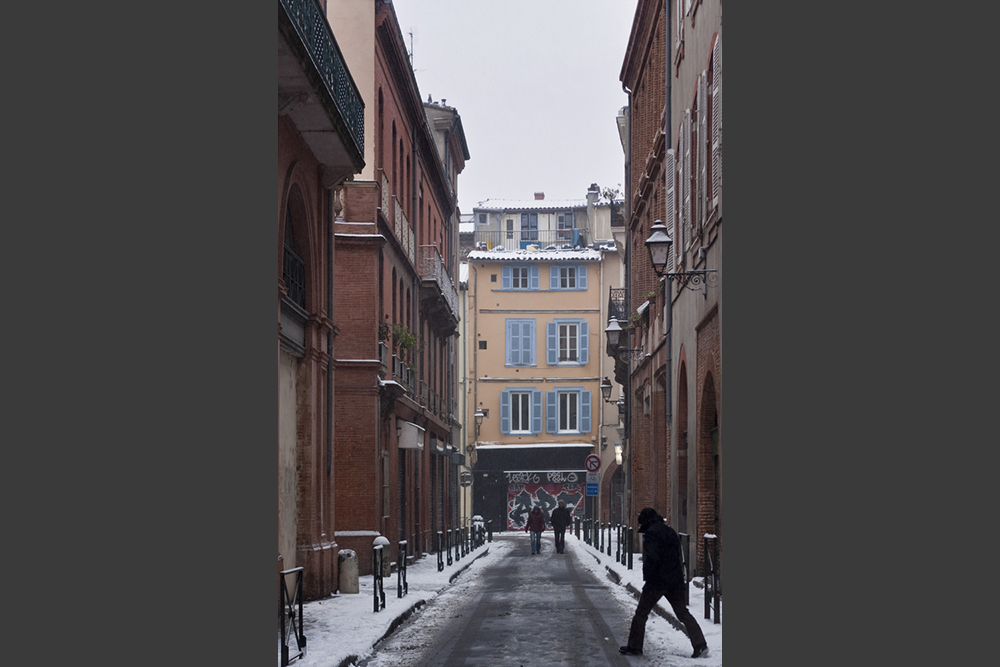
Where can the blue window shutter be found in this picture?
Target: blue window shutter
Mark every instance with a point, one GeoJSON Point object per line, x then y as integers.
{"type": "Point", "coordinates": [584, 412]}
{"type": "Point", "coordinates": [553, 277]}
{"type": "Point", "coordinates": [505, 411]}
{"type": "Point", "coordinates": [505, 278]}
{"type": "Point", "coordinates": [536, 412]}
{"type": "Point", "coordinates": [584, 329]}
{"type": "Point", "coordinates": [550, 412]}
{"type": "Point", "coordinates": [533, 277]}
{"type": "Point", "coordinates": [581, 276]}
{"type": "Point", "coordinates": [553, 344]}
{"type": "Point", "coordinates": [528, 353]}
{"type": "Point", "coordinates": [513, 339]}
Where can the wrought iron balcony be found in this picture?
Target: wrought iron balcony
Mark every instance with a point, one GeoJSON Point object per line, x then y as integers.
{"type": "Point", "coordinates": [307, 31]}
{"type": "Point", "coordinates": [436, 279]}
{"type": "Point", "coordinates": [616, 304]}
{"type": "Point", "coordinates": [404, 233]}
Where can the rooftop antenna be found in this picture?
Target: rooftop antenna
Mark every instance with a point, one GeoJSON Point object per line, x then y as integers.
{"type": "Point", "coordinates": [411, 48]}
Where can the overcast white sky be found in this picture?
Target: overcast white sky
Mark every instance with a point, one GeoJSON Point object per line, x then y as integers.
{"type": "Point", "coordinates": [536, 84]}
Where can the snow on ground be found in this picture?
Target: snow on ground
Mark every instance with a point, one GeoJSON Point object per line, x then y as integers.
{"type": "Point", "coordinates": [343, 629]}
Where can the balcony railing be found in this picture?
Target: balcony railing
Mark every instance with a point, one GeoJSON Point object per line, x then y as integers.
{"type": "Point", "coordinates": [386, 213]}
{"type": "Point", "coordinates": [403, 231]}
{"type": "Point", "coordinates": [294, 273]}
{"type": "Point", "coordinates": [431, 267]}
{"type": "Point", "coordinates": [520, 240]}
{"type": "Point", "coordinates": [616, 304]}
{"type": "Point", "coordinates": [310, 24]}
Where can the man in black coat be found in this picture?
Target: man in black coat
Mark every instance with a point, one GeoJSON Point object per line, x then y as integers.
{"type": "Point", "coordinates": [560, 519]}
{"type": "Point", "coordinates": [663, 576]}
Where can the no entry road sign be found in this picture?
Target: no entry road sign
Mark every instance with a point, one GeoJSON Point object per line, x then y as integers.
{"type": "Point", "coordinates": [592, 463]}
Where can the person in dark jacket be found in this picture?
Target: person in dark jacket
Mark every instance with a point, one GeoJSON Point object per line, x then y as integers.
{"type": "Point", "coordinates": [663, 576]}
{"type": "Point", "coordinates": [535, 525]}
{"type": "Point", "coordinates": [560, 519]}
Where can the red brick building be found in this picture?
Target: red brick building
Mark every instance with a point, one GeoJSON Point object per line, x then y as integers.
{"type": "Point", "coordinates": [320, 145]}
{"type": "Point", "coordinates": [396, 235]}
{"type": "Point", "coordinates": [672, 71]}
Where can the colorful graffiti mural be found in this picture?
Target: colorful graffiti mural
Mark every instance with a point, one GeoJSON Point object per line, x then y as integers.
{"type": "Point", "coordinates": [523, 497]}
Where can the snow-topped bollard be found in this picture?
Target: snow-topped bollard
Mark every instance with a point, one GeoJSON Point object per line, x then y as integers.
{"type": "Point", "coordinates": [347, 562]}
{"type": "Point", "coordinates": [386, 560]}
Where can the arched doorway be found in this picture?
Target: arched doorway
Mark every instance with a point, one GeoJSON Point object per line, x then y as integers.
{"type": "Point", "coordinates": [709, 470]}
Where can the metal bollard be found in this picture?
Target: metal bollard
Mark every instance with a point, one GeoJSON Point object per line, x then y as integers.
{"type": "Point", "coordinates": [448, 546]}
{"type": "Point", "coordinates": [685, 550]}
{"type": "Point", "coordinates": [489, 525]}
{"type": "Point", "coordinates": [377, 576]}
{"type": "Point", "coordinates": [711, 575]}
{"type": "Point", "coordinates": [401, 587]}
{"type": "Point", "coordinates": [631, 536]}
{"type": "Point", "coordinates": [618, 536]}
{"type": "Point", "coordinates": [458, 539]}
{"type": "Point", "coordinates": [440, 551]}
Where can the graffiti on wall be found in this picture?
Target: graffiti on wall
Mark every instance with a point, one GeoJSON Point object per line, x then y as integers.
{"type": "Point", "coordinates": [522, 497]}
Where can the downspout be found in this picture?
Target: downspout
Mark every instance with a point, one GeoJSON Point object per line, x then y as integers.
{"type": "Point", "coordinates": [627, 503]}
{"type": "Point", "coordinates": [329, 332]}
{"type": "Point", "coordinates": [668, 292]}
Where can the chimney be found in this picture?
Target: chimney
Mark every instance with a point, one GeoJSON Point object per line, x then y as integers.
{"type": "Point", "coordinates": [539, 195]}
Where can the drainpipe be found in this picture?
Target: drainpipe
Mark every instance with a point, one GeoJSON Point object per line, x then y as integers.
{"type": "Point", "coordinates": [627, 503]}
{"type": "Point", "coordinates": [669, 287]}
{"type": "Point", "coordinates": [329, 333]}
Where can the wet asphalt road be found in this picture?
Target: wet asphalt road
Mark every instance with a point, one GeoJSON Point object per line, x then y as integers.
{"type": "Point", "coordinates": [526, 611]}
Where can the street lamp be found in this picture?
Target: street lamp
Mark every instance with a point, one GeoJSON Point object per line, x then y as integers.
{"type": "Point", "coordinates": [615, 342]}
{"type": "Point", "coordinates": [606, 389]}
{"type": "Point", "coordinates": [479, 422]}
{"type": "Point", "coordinates": [659, 246]}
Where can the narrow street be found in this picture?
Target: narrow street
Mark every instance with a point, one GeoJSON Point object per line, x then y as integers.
{"type": "Point", "coordinates": [542, 609]}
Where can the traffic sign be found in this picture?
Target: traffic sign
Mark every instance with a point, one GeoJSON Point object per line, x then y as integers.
{"type": "Point", "coordinates": [591, 489]}
{"type": "Point", "coordinates": [593, 462]}
{"type": "Point", "coordinates": [593, 477]}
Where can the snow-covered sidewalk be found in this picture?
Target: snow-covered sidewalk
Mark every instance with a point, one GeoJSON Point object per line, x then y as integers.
{"type": "Point", "coordinates": [343, 629]}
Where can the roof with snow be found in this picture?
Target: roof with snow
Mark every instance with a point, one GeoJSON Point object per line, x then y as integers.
{"type": "Point", "coordinates": [499, 254]}
{"type": "Point", "coordinates": [529, 204]}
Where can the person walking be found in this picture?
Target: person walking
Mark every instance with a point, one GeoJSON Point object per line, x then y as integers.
{"type": "Point", "coordinates": [535, 525]}
{"type": "Point", "coordinates": [560, 519]}
{"type": "Point", "coordinates": [663, 576]}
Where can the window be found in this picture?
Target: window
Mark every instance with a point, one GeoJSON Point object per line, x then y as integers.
{"type": "Point", "coordinates": [520, 349]}
{"type": "Point", "coordinates": [510, 228]}
{"type": "Point", "coordinates": [565, 226]}
{"type": "Point", "coordinates": [493, 277]}
{"type": "Point", "coordinates": [482, 345]}
{"type": "Point", "coordinates": [521, 411]}
{"type": "Point", "coordinates": [567, 342]}
{"type": "Point", "coordinates": [568, 277]}
{"type": "Point", "coordinates": [568, 410]}
{"type": "Point", "coordinates": [519, 276]}
{"type": "Point", "coordinates": [482, 218]}
{"type": "Point", "coordinates": [529, 226]}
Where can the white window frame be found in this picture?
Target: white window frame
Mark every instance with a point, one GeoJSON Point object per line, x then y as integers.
{"type": "Point", "coordinates": [520, 397]}
{"type": "Point", "coordinates": [566, 401]}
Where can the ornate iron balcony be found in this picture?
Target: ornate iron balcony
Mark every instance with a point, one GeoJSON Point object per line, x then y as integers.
{"type": "Point", "coordinates": [310, 24]}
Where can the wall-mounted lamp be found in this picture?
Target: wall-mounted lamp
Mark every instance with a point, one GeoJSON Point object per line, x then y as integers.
{"type": "Point", "coordinates": [615, 343]}
{"type": "Point", "coordinates": [606, 389]}
{"type": "Point", "coordinates": [479, 416]}
{"type": "Point", "coordinates": [618, 453]}
{"type": "Point", "coordinates": [659, 246]}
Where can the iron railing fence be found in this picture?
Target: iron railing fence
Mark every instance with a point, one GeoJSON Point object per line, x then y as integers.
{"type": "Point", "coordinates": [541, 239]}
{"type": "Point", "coordinates": [290, 613]}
